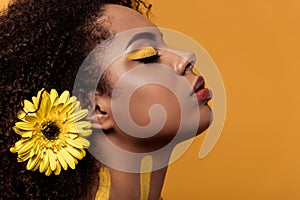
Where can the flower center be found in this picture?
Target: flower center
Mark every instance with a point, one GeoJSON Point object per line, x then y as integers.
{"type": "Point", "coordinates": [50, 130]}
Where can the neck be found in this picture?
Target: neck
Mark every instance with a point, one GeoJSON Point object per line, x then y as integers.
{"type": "Point", "coordinates": [142, 184]}
{"type": "Point", "coordinates": [127, 186]}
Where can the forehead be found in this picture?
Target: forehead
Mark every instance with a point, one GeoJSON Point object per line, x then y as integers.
{"type": "Point", "coordinates": [122, 18]}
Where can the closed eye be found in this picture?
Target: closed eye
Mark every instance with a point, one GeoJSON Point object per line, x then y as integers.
{"type": "Point", "coordinates": [145, 55]}
{"type": "Point", "coordinates": [150, 59]}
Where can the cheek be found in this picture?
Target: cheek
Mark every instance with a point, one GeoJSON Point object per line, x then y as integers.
{"type": "Point", "coordinates": [147, 96]}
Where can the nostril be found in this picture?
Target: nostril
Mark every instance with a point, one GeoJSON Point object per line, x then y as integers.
{"type": "Point", "coordinates": [187, 62]}
{"type": "Point", "coordinates": [184, 66]}
{"type": "Point", "coordinates": [181, 61]}
{"type": "Point", "coordinates": [188, 67]}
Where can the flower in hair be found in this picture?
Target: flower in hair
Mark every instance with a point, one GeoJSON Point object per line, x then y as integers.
{"type": "Point", "coordinates": [52, 135]}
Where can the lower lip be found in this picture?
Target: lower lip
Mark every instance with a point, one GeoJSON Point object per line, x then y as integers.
{"type": "Point", "coordinates": [204, 94]}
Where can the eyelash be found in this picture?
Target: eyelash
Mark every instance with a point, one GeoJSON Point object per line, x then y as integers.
{"type": "Point", "coordinates": [150, 59]}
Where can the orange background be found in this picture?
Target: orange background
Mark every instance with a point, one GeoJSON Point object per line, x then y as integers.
{"type": "Point", "coordinates": [256, 46]}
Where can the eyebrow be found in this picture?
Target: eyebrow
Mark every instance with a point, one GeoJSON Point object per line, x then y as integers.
{"type": "Point", "coordinates": [143, 35]}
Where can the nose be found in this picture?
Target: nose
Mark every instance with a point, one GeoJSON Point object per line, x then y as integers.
{"type": "Point", "coordinates": [182, 61]}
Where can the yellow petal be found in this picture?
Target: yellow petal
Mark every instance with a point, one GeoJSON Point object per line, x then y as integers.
{"type": "Point", "coordinates": [45, 105]}
{"type": "Point", "coordinates": [84, 142]}
{"type": "Point", "coordinates": [23, 133]}
{"type": "Point", "coordinates": [32, 152]}
{"type": "Point", "coordinates": [27, 146]}
{"type": "Point", "coordinates": [25, 153]}
{"type": "Point", "coordinates": [24, 156]}
{"type": "Point", "coordinates": [73, 135]}
{"type": "Point", "coordinates": [64, 117]}
{"type": "Point", "coordinates": [44, 163]}
{"type": "Point", "coordinates": [27, 134]}
{"type": "Point", "coordinates": [59, 107]}
{"type": "Point", "coordinates": [58, 168]}
{"type": "Point", "coordinates": [55, 101]}
{"type": "Point", "coordinates": [74, 152]}
{"type": "Point", "coordinates": [66, 108]}
{"type": "Point", "coordinates": [43, 153]}
{"type": "Point", "coordinates": [48, 171]}
{"type": "Point", "coordinates": [52, 159]}
{"type": "Point", "coordinates": [13, 149]}
{"type": "Point", "coordinates": [73, 128]}
{"type": "Point", "coordinates": [78, 115]}
{"type": "Point", "coordinates": [85, 133]}
{"type": "Point", "coordinates": [36, 167]}
{"type": "Point", "coordinates": [25, 126]}
{"type": "Point", "coordinates": [31, 118]}
{"type": "Point", "coordinates": [68, 158]}
{"type": "Point", "coordinates": [36, 148]}
{"type": "Point", "coordinates": [75, 107]}
{"type": "Point", "coordinates": [19, 144]}
{"type": "Point", "coordinates": [35, 101]}
{"type": "Point", "coordinates": [83, 124]}
{"type": "Point", "coordinates": [28, 106]}
{"type": "Point", "coordinates": [21, 114]}
{"type": "Point", "coordinates": [53, 96]}
{"type": "Point", "coordinates": [62, 161]}
{"type": "Point", "coordinates": [40, 93]}
{"type": "Point", "coordinates": [72, 99]}
{"type": "Point", "coordinates": [64, 97]}
{"type": "Point", "coordinates": [82, 151]}
{"type": "Point", "coordinates": [33, 161]}
{"type": "Point", "coordinates": [75, 143]}
{"type": "Point", "coordinates": [39, 114]}
{"type": "Point", "coordinates": [19, 159]}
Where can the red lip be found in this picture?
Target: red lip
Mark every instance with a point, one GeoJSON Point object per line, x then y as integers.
{"type": "Point", "coordinates": [199, 84]}
{"type": "Point", "coordinates": [200, 91]}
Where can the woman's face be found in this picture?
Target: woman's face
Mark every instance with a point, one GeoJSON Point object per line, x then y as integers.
{"type": "Point", "coordinates": [170, 77]}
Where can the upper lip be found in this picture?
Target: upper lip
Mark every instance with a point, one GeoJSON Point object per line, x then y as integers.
{"type": "Point", "coordinates": [199, 84]}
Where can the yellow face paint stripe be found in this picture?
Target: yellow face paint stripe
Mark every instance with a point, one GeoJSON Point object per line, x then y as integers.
{"type": "Point", "coordinates": [103, 192]}
{"type": "Point", "coordinates": [145, 177]}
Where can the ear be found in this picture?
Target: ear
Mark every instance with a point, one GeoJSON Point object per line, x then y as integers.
{"type": "Point", "coordinates": [103, 112]}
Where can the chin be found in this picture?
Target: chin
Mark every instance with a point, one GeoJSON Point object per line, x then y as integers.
{"type": "Point", "coordinates": [205, 119]}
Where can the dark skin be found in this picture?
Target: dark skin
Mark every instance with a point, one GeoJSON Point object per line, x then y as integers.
{"type": "Point", "coordinates": [126, 186]}
{"type": "Point", "coordinates": [38, 40]}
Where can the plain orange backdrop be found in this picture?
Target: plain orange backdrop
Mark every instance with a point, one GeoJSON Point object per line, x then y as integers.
{"type": "Point", "coordinates": [256, 46]}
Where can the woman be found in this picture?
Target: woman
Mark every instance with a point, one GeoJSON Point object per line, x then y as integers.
{"type": "Point", "coordinates": [44, 45]}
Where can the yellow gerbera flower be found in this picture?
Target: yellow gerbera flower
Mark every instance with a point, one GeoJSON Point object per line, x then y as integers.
{"type": "Point", "coordinates": [52, 135]}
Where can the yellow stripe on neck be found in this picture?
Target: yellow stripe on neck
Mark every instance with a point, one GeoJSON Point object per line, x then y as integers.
{"type": "Point", "coordinates": [103, 192]}
{"type": "Point", "coordinates": [145, 177]}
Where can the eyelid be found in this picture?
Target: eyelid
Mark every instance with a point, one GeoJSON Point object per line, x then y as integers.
{"type": "Point", "coordinates": [142, 53]}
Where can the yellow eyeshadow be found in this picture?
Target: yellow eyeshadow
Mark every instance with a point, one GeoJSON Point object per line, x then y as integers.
{"type": "Point", "coordinates": [142, 53]}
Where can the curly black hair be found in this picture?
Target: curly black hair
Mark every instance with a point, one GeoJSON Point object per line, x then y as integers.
{"type": "Point", "coordinates": [42, 45]}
